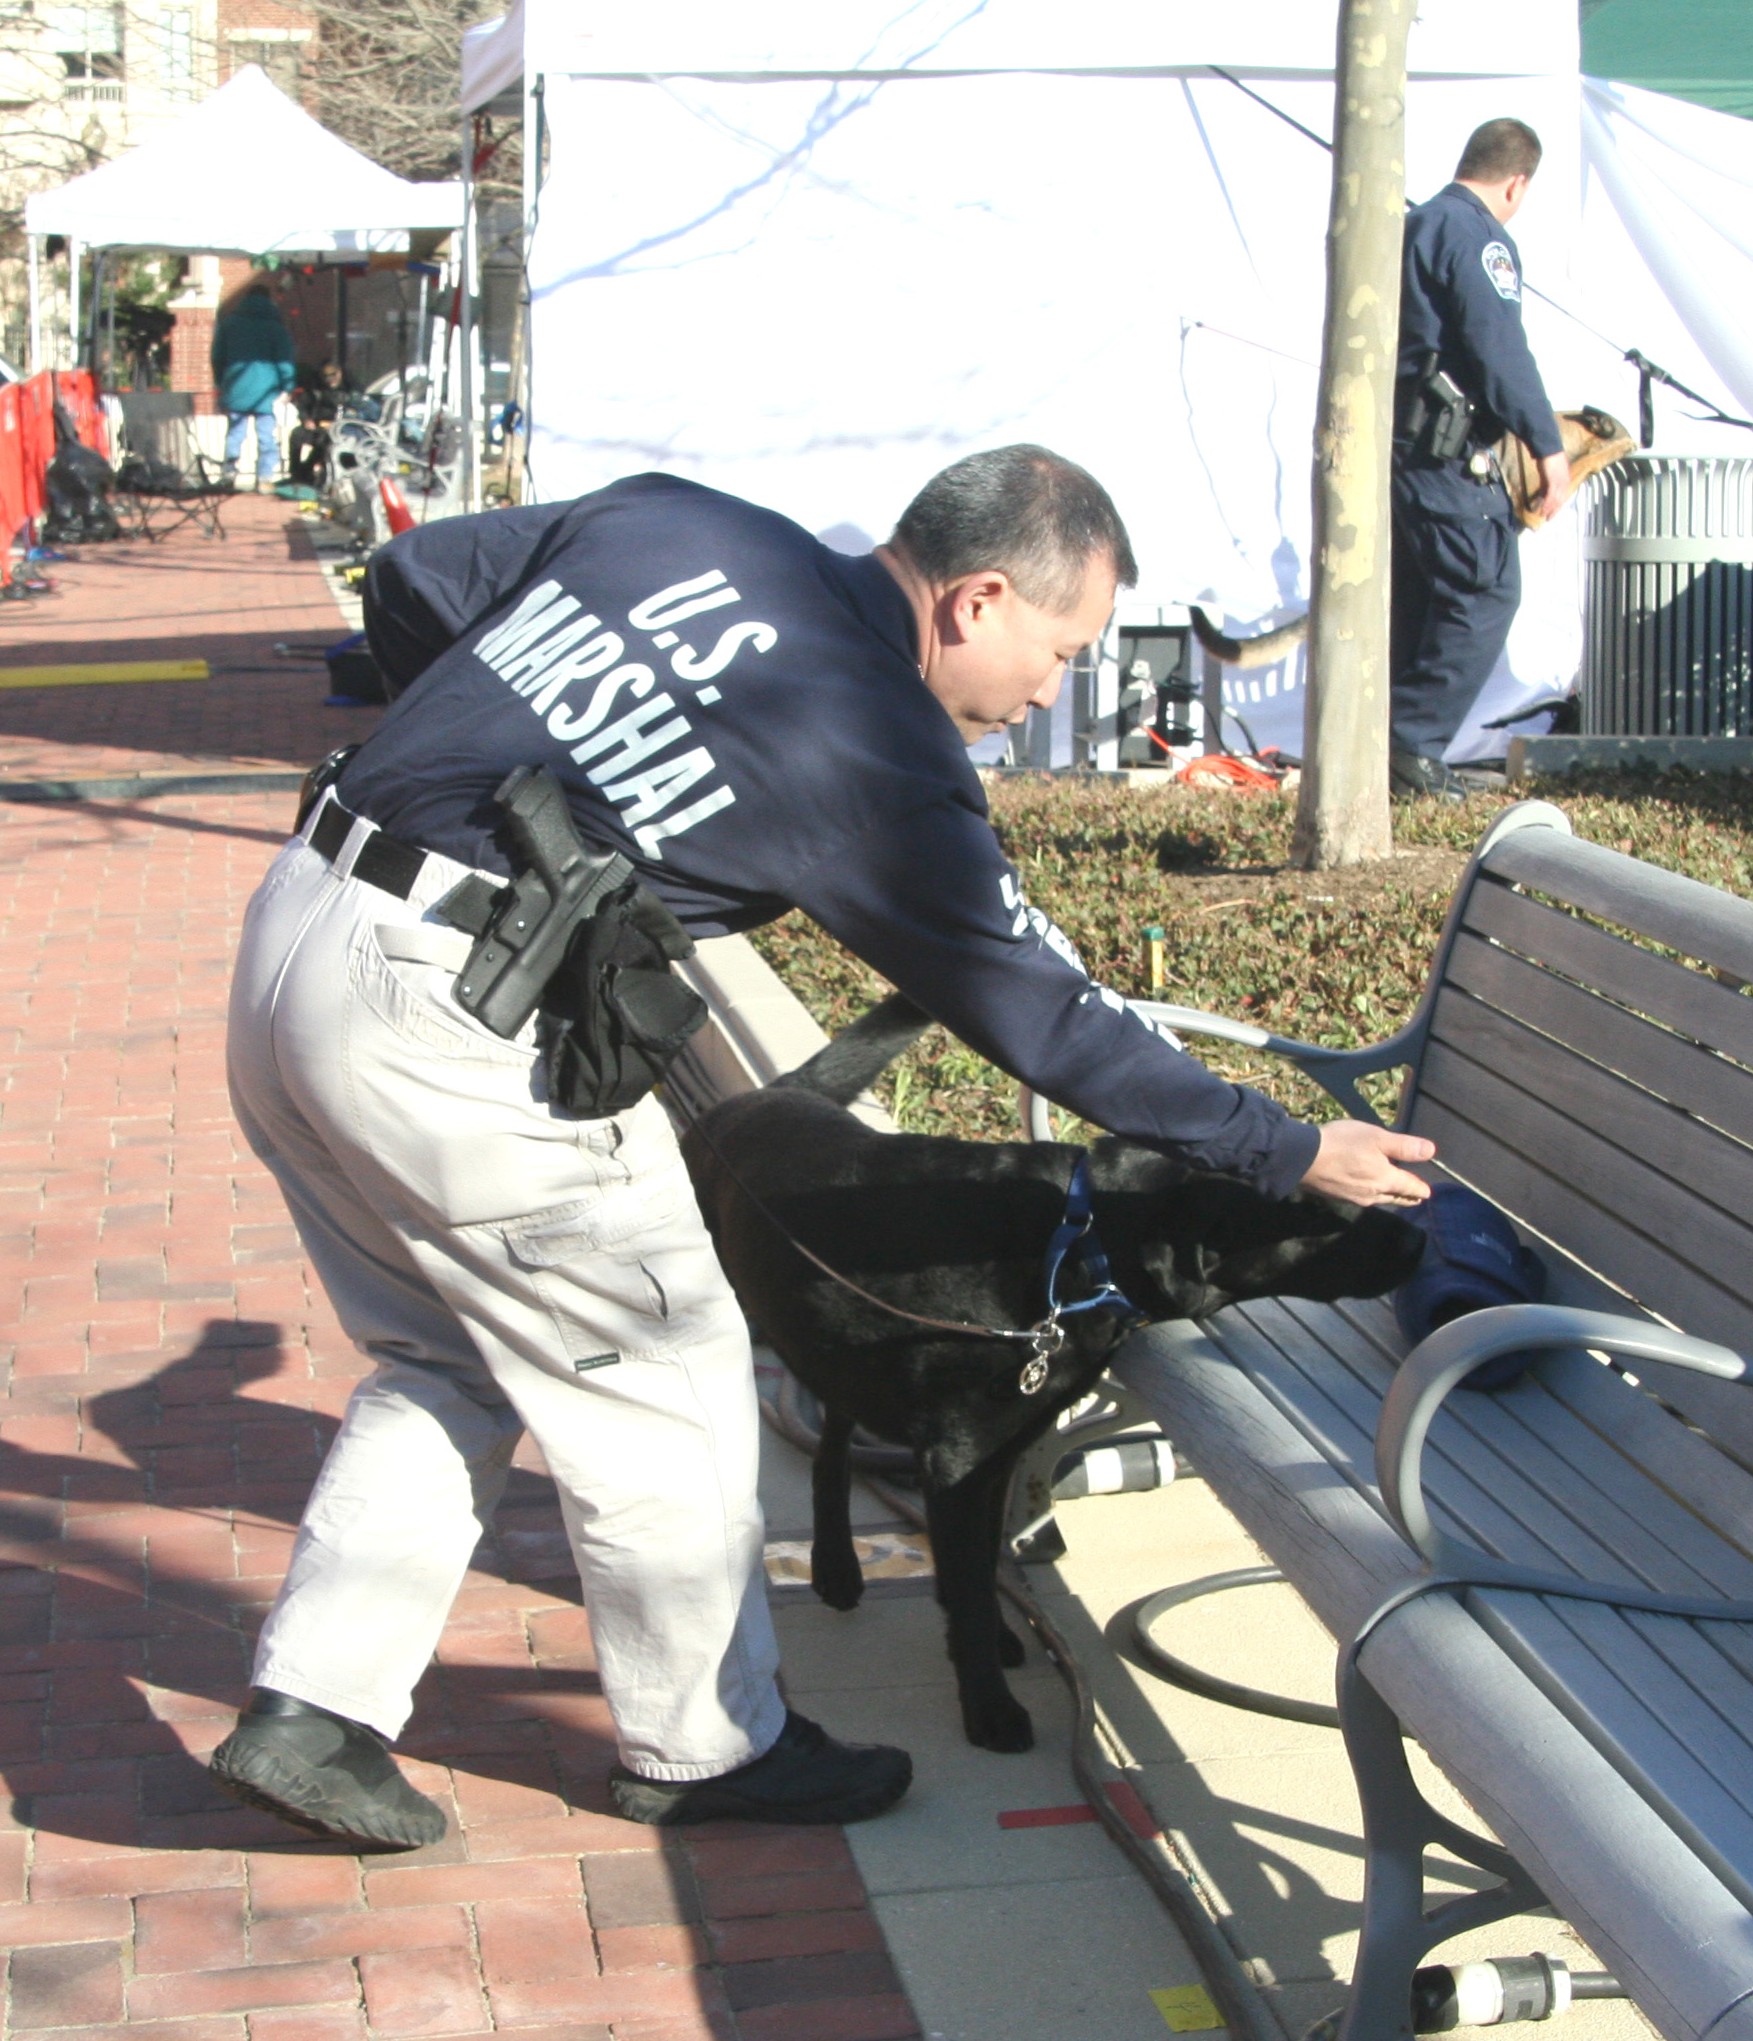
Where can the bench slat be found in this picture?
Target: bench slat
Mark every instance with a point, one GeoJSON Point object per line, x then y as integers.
{"type": "Point", "coordinates": [1723, 1409]}
{"type": "Point", "coordinates": [1674, 1068]}
{"type": "Point", "coordinates": [1647, 1156]}
{"type": "Point", "coordinates": [1472, 1485]}
{"type": "Point", "coordinates": [1679, 1754]}
{"type": "Point", "coordinates": [1677, 1677]}
{"type": "Point", "coordinates": [1684, 1258]}
{"type": "Point", "coordinates": [1518, 1474]}
{"type": "Point", "coordinates": [1690, 1002]}
{"type": "Point", "coordinates": [1695, 1485]}
{"type": "Point", "coordinates": [1697, 920]}
{"type": "Point", "coordinates": [1686, 1467]}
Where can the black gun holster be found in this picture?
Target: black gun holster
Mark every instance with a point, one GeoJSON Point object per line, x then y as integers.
{"type": "Point", "coordinates": [615, 1016]}
{"type": "Point", "coordinates": [578, 942]}
{"type": "Point", "coordinates": [1439, 421]}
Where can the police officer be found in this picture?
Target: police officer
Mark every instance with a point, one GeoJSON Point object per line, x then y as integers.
{"type": "Point", "coordinates": [755, 722]}
{"type": "Point", "coordinates": [1465, 375]}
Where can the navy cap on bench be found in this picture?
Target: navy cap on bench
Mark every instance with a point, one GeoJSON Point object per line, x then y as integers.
{"type": "Point", "coordinates": [1472, 1258]}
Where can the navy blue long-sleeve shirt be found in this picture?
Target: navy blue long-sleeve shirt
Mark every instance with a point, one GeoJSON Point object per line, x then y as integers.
{"type": "Point", "coordinates": [740, 711]}
{"type": "Point", "coordinates": [1461, 299]}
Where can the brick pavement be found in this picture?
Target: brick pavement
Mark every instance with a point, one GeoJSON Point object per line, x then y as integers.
{"type": "Point", "coordinates": [227, 601]}
{"type": "Point", "coordinates": [173, 1382]}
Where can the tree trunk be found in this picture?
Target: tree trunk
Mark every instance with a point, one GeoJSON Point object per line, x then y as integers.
{"type": "Point", "coordinates": [1342, 812]}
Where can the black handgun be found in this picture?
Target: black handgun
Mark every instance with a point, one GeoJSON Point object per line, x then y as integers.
{"type": "Point", "coordinates": [529, 923]}
{"type": "Point", "coordinates": [1440, 424]}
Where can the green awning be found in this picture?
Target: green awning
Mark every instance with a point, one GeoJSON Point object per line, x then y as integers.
{"type": "Point", "coordinates": [1697, 49]}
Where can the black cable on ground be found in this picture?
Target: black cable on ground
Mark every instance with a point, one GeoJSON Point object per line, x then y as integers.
{"type": "Point", "coordinates": [1166, 1665]}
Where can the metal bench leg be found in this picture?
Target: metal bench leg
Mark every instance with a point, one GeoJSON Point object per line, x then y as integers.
{"type": "Point", "coordinates": [1399, 1825]}
{"type": "Point", "coordinates": [1030, 1532]}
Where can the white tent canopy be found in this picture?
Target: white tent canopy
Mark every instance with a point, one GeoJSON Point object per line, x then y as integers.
{"type": "Point", "coordinates": [245, 172]}
{"type": "Point", "coordinates": [946, 38]}
{"type": "Point", "coordinates": [810, 254]}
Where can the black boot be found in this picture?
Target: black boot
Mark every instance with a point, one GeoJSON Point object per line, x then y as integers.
{"type": "Point", "coordinates": [806, 1776]}
{"type": "Point", "coordinates": [1412, 775]}
{"type": "Point", "coordinates": [322, 1772]}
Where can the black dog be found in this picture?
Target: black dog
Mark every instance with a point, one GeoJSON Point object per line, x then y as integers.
{"type": "Point", "coordinates": [959, 1231]}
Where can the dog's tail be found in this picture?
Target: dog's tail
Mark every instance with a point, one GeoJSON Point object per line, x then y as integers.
{"type": "Point", "coordinates": [859, 1054]}
{"type": "Point", "coordinates": [1265, 650]}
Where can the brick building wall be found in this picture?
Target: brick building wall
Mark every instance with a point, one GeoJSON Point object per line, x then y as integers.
{"type": "Point", "coordinates": [191, 338]}
{"type": "Point", "coordinates": [279, 36]}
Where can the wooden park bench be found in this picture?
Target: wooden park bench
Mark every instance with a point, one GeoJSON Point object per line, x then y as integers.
{"type": "Point", "coordinates": [1550, 1587]}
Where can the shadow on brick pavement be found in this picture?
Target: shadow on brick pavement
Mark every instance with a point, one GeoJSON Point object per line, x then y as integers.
{"type": "Point", "coordinates": [229, 601]}
{"type": "Point", "coordinates": [174, 1378]}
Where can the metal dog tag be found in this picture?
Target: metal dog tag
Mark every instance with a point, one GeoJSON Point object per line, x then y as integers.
{"type": "Point", "coordinates": [1049, 1338]}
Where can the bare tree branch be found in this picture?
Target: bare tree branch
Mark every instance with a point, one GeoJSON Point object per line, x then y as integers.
{"type": "Point", "coordinates": [385, 79]}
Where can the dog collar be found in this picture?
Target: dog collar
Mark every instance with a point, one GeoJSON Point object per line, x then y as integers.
{"type": "Point", "coordinates": [1075, 1240]}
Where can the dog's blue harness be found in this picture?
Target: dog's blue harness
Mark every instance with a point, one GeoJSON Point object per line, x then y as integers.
{"type": "Point", "coordinates": [1076, 1241]}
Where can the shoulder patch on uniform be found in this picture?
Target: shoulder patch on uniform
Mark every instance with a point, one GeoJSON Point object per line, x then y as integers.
{"type": "Point", "coordinates": [1500, 266]}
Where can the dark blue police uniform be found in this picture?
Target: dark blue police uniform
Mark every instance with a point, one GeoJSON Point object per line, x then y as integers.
{"type": "Point", "coordinates": [740, 711]}
{"type": "Point", "coordinates": [1457, 577]}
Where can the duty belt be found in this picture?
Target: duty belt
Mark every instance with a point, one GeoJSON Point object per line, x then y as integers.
{"type": "Point", "coordinates": [384, 861]}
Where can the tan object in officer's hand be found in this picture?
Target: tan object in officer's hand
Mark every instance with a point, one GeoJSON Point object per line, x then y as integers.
{"type": "Point", "coordinates": [1593, 440]}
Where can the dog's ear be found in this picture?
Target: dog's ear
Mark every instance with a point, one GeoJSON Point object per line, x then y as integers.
{"type": "Point", "coordinates": [1228, 1244]}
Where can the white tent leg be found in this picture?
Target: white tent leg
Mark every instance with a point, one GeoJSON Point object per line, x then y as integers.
{"type": "Point", "coordinates": [32, 243]}
{"type": "Point", "coordinates": [471, 480]}
{"type": "Point", "coordinates": [534, 112]}
{"type": "Point", "coordinates": [73, 302]}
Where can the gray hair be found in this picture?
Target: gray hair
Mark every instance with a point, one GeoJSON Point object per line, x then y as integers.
{"type": "Point", "coordinates": [1028, 513]}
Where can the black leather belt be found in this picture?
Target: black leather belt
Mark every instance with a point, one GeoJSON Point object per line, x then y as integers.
{"type": "Point", "coordinates": [384, 861]}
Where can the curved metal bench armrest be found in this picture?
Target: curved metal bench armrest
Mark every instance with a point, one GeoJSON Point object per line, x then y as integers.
{"type": "Point", "coordinates": [1336, 1071]}
{"type": "Point", "coordinates": [1444, 1359]}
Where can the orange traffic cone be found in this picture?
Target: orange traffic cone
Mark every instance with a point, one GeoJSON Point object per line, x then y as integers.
{"type": "Point", "coordinates": [395, 506]}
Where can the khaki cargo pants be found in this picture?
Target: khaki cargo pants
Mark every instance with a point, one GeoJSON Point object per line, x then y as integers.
{"type": "Point", "coordinates": [508, 1267]}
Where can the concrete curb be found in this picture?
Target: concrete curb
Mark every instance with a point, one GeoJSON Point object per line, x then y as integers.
{"type": "Point", "coordinates": [149, 786]}
{"type": "Point", "coordinates": [759, 1029]}
{"type": "Point", "coordinates": [1529, 756]}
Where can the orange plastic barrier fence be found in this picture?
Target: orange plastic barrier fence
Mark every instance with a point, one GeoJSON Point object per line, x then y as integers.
{"type": "Point", "coordinates": [27, 438]}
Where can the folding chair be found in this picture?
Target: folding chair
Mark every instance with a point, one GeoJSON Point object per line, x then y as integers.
{"type": "Point", "coordinates": [164, 481]}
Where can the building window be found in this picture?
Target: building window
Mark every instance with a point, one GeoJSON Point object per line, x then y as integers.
{"type": "Point", "coordinates": [176, 53]}
{"type": "Point", "coordinates": [88, 40]}
{"type": "Point", "coordinates": [281, 56]}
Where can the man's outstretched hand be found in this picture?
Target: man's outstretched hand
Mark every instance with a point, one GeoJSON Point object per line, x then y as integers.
{"type": "Point", "coordinates": [1359, 1162]}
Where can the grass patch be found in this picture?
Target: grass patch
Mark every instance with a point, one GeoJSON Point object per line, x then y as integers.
{"type": "Point", "coordinates": [1337, 958]}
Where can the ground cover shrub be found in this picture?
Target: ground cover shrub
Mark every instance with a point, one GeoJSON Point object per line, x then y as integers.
{"type": "Point", "coordinates": [1337, 958]}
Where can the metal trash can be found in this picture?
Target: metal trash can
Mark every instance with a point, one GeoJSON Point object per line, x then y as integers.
{"type": "Point", "coordinates": [1668, 599]}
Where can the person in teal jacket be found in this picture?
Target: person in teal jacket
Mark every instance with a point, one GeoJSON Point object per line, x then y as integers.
{"type": "Point", "coordinates": [252, 365]}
